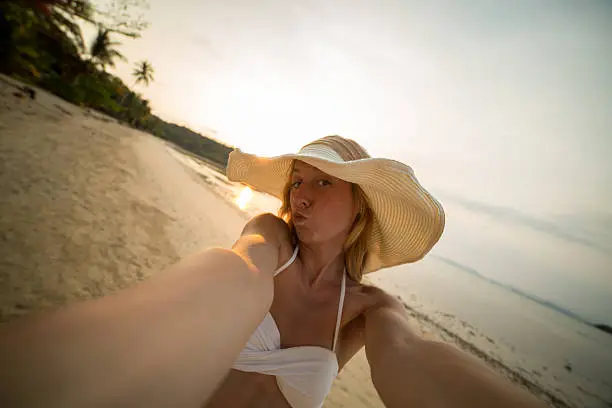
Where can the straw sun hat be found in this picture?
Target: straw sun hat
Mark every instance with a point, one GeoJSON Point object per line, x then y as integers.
{"type": "Point", "coordinates": [408, 221]}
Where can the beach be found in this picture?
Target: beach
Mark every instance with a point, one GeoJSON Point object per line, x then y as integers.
{"type": "Point", "coordinates": [88, 206]}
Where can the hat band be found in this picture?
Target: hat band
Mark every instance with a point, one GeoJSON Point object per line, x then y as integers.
{"type": "Point", "coordinates": [321, 151]}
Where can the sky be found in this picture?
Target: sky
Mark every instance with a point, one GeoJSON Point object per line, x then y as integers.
{"type": "Point", "coordinates": [504, 113]}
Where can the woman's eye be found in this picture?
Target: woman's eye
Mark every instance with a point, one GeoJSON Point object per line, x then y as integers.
{"type": "Point", "coordinates": [323, 183]}
{"type": "Point", "coordinates": [295, 184]}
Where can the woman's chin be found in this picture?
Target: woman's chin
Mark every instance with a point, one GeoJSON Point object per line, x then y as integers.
{"type": "Point", "coordinates": [305, 234]}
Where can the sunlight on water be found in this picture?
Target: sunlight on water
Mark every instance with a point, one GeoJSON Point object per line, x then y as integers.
{"type": "Point", "coordinates": [244, 197]}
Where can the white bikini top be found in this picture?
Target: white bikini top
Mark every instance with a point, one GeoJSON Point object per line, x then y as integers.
{"type": "Point", "coordinates": [304, 374]}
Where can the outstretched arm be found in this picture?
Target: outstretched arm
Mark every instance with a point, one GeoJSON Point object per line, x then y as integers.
{"type": "Point", "coordinates": [168, 341]}
{"type": "Point", "coordinates": [408, 371]}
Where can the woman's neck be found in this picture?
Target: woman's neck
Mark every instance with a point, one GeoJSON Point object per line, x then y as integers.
{"type": "Point", "coordinates": [322, 262]}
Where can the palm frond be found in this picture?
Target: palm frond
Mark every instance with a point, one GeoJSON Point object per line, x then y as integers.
{"type": "Point", "coordinates": [102, 50]}
{"type": "Point", "coordinates": [116, 54]}
{"type": "Point", "coordinates": [68, 26]}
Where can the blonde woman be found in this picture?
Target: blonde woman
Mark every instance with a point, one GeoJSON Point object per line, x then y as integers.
{"type": "Point", "coordinates": [272, 321]}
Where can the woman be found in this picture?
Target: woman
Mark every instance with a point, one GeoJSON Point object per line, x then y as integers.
{"type": "Point", "coordinates": [170, 341]}
{"type": "Point", "coordinates": [328, 236]}
{"type": "Point", "coordinates": [343, 214]}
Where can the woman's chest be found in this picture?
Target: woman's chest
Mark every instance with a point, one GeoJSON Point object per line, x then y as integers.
{"type": "Point", "coordinates": [304, 319]}
{"type": "Point", "coordinates": [309, 317]}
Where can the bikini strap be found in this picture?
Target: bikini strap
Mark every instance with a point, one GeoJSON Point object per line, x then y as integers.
{"type": "Point", "coordinates": [340, 306]}
{"type": "Point", "coordinates": [289, 262]}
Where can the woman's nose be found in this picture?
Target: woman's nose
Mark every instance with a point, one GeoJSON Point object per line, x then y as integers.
{"type": "Point", "coordinates": [303, 203]}
{"type": "Point", "coordinates": [303, 197]}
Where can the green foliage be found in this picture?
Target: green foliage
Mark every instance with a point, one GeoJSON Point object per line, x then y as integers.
{"type": "Point", "coordinates": [102, 51]}
{"type": "Point", "coordinates": [195, 143]}
{"type": "Point", "coordinates": [43, 46]}
{"type": "Point", "coordinates": [41, 43]}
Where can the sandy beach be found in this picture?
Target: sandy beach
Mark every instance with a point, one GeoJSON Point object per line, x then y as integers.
{"type": "Point", "coordinates": [88, 206]}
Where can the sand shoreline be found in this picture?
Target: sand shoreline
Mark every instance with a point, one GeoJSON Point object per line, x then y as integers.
{"type": "Point", "coordinates": [88, 206]}
{"type": "Point", "coordinates": [451, 337]}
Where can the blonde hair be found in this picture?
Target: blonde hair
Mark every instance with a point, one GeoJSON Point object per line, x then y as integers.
{"type": "Point", "coordinates": [356, 244]}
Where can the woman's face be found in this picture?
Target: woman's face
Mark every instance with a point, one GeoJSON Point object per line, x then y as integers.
{"type": "Point", "coordinates": [322, 206]}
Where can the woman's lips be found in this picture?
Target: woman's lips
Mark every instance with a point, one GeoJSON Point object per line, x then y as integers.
{"type": "Point", "coordinates": [299, 218]}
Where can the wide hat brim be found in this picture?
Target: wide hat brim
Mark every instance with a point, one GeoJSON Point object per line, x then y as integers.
{"type": "Point", "coordinates": [408, 221]}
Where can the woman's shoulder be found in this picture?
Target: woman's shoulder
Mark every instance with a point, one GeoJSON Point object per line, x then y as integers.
{"type": "Point", "coordinates": [272, 229]}
{"type": "Point", "coordinates": [267, 223]}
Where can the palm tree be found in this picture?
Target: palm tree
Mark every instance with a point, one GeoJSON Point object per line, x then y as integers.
{"type": "Point", "coordinates": [143, 73]}
{"type": "Point", "coordinates": [58, 18]}
{"type": "Point", "coordinates": [102, 51]}
{"type": "Point", "coordinates": [66, 15]}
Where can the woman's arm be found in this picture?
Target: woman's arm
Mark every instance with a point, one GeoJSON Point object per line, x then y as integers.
{"type": "Point", "coordinates": [168, 341]}
{"type": "Point", "coordinates": [410, 371]}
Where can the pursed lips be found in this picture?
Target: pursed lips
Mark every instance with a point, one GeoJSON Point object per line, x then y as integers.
{"type": "Point", "coordinates": [299, 218]}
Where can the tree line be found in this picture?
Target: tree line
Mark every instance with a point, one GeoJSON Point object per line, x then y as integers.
{"type": "Point", "coordinates": [41, 43]}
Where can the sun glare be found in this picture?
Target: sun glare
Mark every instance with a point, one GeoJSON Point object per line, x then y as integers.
{"type": "Point", "coordinates": [244, 197]}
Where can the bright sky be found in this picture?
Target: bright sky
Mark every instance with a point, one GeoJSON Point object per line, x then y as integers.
{"type": "Point", "coordinates": [508, 107]}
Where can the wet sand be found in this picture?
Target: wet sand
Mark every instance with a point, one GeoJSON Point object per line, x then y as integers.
{"type": "Point", "coordinates": [88, 206]}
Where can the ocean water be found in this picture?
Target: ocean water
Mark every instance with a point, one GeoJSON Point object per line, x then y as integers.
{"type": "Point", "coordinates": [564, 356]}
{"type": "Point", "coordinates": [567, 357]}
